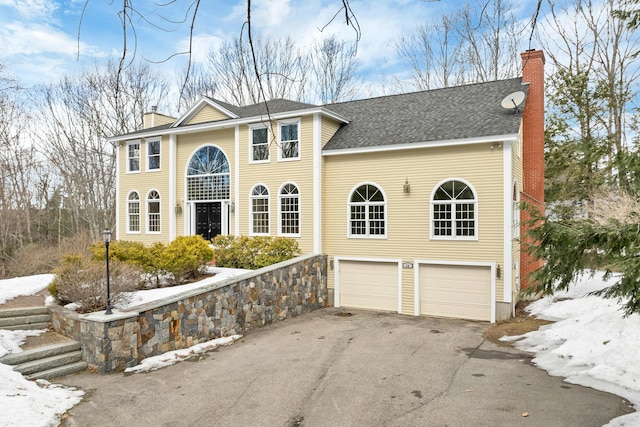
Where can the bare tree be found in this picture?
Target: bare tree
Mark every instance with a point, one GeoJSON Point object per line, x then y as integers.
{"type": "Point", "coordinates": [334, 69]}
{"type": "Point", "coordinates": [77, 115]}
{"type": "Point", "coordinates": [197, 82]}
{"type": "Point", "coordinates": [18, 173]}
{"type": "Point", "coordinates": [474, 44]}
{"type": "Point", "coordinates": [592, 93]}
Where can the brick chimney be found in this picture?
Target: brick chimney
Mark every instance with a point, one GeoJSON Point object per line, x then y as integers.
{"type": "Point", "coordinates": [532, 153]}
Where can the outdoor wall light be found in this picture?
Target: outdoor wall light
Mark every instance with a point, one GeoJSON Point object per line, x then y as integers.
{"type": "Point", "coordinates": [178, 209]}
{"type": "Point", "coordinates": [106, 235]}
{"type": "Point", "coordinates": [406, 188]}
{"type": "Point", "coordinates": [496, 145]}
{"type": "Point", "coordinates": [498, 271]}
{"type": "Point", "coordinates": [232, 207]}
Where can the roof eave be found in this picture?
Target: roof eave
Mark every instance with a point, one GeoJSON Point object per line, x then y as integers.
{"type": "Point", "coordinates": [514, 137]}
{"type": "Point", "coordinates": [231, 122]}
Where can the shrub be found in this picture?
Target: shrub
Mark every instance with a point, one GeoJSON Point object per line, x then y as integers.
{"type": "Point", "coordinates": [82, 280]}
{"type": "Point", "coordinates": [183, 259]}
{"type": "Point", "coordinates": [253, 252]}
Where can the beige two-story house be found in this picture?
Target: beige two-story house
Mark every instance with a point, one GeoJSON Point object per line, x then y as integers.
{"type": "Point", "coordinates": [413, 197]}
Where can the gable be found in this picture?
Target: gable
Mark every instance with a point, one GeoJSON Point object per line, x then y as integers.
{"type": "Point", "coordinates": [206, 114]}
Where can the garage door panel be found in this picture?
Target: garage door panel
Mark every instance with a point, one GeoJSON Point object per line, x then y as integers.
{"type": "Point", "coordinates": [455, 291]}
{"type": "Point", "coordinates": [370, 285]}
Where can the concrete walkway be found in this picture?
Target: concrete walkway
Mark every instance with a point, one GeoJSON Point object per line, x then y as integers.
{"type": "Point", "coordinates": [367, 369]}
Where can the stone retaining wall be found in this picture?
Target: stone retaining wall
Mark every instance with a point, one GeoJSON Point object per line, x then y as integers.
{"type": "Point", "coordinates": [236, 305]}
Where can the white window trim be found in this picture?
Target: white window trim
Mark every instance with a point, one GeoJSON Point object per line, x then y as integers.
{"type": "Point", "coordinates": [147, 142]}
{"type": "Point", "coordinates": [127, 158]}
{"type": "Point", "coordinates": [285, 123]}
{"type": "Point", "coordinates": [128, 215]}
{"type": "Point", "coordinates": [253, 127]}
{"type": "Point", "coordinates": [268, 197]}
{"type": "Point", "coordinates": [475, 212]}
{"type": "Point", "coordinates": [148, 222]}
{"type": "Point", "coordinates": [280, 195]}
{"type": "Point", "coordinates": [386, 217]}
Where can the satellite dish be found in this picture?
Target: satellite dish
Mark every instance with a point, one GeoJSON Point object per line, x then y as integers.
{"type": "Point", "coordinates": [513, 100]}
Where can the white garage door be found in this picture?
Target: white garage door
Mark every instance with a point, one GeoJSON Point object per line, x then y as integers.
{"type": "Point", "coordinates": [368, 284]}
{"type": "Point", "coordinates": [459, 291]}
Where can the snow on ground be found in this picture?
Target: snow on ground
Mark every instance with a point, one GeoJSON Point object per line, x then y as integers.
{"type": "Point", "coordinates": [36, 404]}
{"type": "Point", "coordinates": [23, 402]}
{"type": "Point", "coordinates": [172, 357]}
{"type": "Point", "coordinates": [142, 297]}
{"type": "Point", "coordinates": [590, 343]}
{"type": "Point", "coordinates": [11, 288]}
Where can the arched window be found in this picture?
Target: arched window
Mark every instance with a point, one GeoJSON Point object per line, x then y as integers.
{"type": "Point", "coordinates": [259, 210]}
{"type": "Point", "coordinates": [153, 212]}
{"type": "Point", "coordinates": [133, 212]}
{"type": "Point", "coordinates": [367, 212]}
{"type": "Point", "coordinates": [453, 211]}
{"type": "Point", "coordinates": [289, 202]}
{"type": "Point", "coordinates": [208, 175]}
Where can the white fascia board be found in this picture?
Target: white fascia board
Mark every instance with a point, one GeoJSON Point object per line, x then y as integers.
{"type": "Point", "coordinates": [224, 124]}
{"type": "Point", "coordinates": [198, 106]}
{"type": "Point", "coordinates": [426, 144]}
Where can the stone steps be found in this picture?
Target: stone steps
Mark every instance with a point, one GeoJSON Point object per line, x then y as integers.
{"type": "Point", "coordinates": [45, 362]}
{"type": "Point", "coordinates": [29, 318]}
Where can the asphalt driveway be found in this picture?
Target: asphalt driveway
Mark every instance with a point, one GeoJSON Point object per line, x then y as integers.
{"type": "Point", "coordinates": [327, 369]}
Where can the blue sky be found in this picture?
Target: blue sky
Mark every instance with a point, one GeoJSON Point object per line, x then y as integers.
{"type": "Point", "coordinates": [39, 38]}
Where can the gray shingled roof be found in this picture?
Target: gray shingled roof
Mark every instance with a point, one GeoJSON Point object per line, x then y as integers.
{"type": "Point", "coordinates": [443, 114]}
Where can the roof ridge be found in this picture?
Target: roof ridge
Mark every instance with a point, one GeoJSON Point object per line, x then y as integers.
{"type": "Point", "coordinates": [422, 91]}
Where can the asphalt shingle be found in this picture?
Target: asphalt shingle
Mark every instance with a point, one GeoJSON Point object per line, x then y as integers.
{"type": "Point", "coordinates": [443, 114]}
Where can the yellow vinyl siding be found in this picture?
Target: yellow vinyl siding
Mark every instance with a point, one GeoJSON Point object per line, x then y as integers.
{"type": "Point", "coordinates": [273, 174]}
{"type": "Point", "coordinates": [207, 114]}
{"type": "Point", "coordinates": [156, 119]}
{"type": "Point", "coordinates": [143, 182]}
{"type": "Point", "coordinates": [408, 215]}
{"type": "Point", "coordinates": [187, 145]}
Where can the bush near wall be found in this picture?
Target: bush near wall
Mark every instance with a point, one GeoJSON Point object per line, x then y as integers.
{"type": "Point", "coordinates": [253, 252]}
{"type": "Point", "coordinates": [82, 280]}
{"type": "Point", "coordinates": [183, 259]}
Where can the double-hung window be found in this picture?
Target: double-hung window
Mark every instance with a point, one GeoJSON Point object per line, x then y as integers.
{"type": "Point", "coordinates": [454, 211]}
{"type": "Point", "coordinates": [153, 212]}
{"type": "Point", "coordinates": [260, 210]}
{"type": "Point", "coordinates": [289, 140]}
{"type": "Point", "coordinates": [367, 212]}
{"type": "Point", "coordinates": [259, 144]}
{"type": "Point", "coordinates": [153, 155]}
{"type": "Point", "coordinates": [133, 156]}
{"type": "Point", "coordinates": [289, 210]}
{"type": "Point", "coordinates": [133, 212]}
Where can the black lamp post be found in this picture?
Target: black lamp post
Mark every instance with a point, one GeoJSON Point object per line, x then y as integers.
{"type": "Point", "coordinates": [106, 234]}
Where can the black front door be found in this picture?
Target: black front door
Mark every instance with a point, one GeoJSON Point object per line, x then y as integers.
{"type": "Point", "coordinates": [209, 219]}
